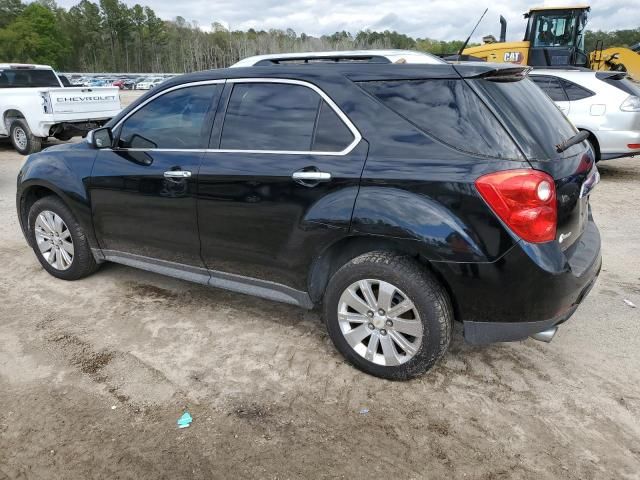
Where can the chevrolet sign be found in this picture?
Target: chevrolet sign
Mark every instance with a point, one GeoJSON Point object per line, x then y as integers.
{"type": "Point", "coordinates": [95, 98]}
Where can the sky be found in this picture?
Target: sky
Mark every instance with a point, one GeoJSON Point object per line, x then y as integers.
{"type": "Point", "coordinates": [436, 19]}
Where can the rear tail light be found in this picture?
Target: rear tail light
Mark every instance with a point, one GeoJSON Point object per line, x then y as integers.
{"type": "Point", "coordinates": [631, 104]}
{"type": "Point", "coordinates": [525, 200]}
{"type": "Point", "coordinates": [634, 146]}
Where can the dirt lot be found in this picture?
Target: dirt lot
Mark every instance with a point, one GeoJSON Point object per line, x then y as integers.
{"type": "Point", "coordinates": [95, 373]}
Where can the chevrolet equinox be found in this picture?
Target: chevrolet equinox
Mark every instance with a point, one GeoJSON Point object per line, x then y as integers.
{"type": "Point", "coordinates": [397, 197]}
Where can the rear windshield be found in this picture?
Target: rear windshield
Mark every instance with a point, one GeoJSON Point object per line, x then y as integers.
{"type": "Point", "coordinates": [624, 84]}
{"type": "Point", "coordinates": [530, 115]}
{"type": "Point", "coordinates": [21, 78]}
{"type": "Point", "coordinates": [449, 111]}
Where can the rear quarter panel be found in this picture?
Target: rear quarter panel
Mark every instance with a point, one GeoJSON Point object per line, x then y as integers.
{"type": "Point", "coordinates": [416, 189]}
{"type": "Point", "coordinates": [28, 102]}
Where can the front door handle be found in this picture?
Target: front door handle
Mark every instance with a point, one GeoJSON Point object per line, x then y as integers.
{"type": "Point", "coordinates": [177, 174]}
{"type": "Point", "coordinates": [311, 176]}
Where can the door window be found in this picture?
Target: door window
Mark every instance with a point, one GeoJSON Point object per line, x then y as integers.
{"type": "Point", "coordinates": [175, 120]}
{"type": "Point", "coordinates": [281, 117]}
{"type": "Point", "coordinates": [270, 116]}
{"type": "Point", "coordinates": [551, 86]}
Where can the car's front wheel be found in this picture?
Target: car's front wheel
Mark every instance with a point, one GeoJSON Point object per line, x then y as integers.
{"type": "Point", "coordinates": [59, 241]}
{"type": "Point", "coordinates": [387, 315]}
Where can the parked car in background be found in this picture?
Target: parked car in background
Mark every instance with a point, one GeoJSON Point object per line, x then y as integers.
{"type": "Point", "coordinates": [96, 82]}
{"type": "Point", "coordinates": [605, 104]}
{"type": "Point", "coordinates": [79, 81]}
{"type": "Point", "coordinates": [138, 80]}
{"type": "Point", "coordinates": [34, 105]}
{"type": "Point", "coordinates": [123, 84]}
{"type": "Point", "coordinates": [399, 197]}
{"type": "Point", "coordinates": [149, 83]}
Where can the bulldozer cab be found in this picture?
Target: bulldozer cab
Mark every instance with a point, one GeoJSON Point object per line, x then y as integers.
{"type": "Point", "coordinates": [556, 36]}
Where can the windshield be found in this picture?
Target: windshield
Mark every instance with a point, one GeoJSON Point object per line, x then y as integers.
{"type": "Point", "coordinates": [530, 116]}
{"type": "Point", "coordinates": [25, 78]}
{"type": "Point", "coordinates": [559, 29]}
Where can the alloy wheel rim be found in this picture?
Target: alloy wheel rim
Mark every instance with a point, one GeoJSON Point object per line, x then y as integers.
{"type": "Point", "coordinates": [380, 322]}
{"type": "Point", "coordinates": [54, 240]}
{"type": "Point", "coordinates": [20, 137]}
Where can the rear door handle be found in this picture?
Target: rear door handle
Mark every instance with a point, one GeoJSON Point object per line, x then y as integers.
{"type": "Point", "coordinates": [177, 174]}
{"type": "Point", "coordinates": [312, 176]}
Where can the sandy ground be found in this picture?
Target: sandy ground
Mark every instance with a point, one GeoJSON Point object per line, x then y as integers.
{"type": "Point", "coordinates": [95, 373]}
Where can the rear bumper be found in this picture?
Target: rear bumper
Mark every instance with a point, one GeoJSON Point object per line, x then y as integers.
{"type": "Point", "coordinates": [528, 290]}
{"type": "Point", "coordinates": [615, 143]}
{"type": "Point", "coordinates": [481, 333]}
{"type": "Point", "coordinates": [49, 128]}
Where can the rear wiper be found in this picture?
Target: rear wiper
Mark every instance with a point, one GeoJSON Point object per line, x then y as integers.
{"type": "Point", "coordinates": [577, 138]}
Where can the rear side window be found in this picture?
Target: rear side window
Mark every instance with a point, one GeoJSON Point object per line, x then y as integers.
{"type": "Point", "coordinates": [449, 111]}
{"type": "Point", "coordinates": [331, 134]}
{"type": "Point", "coordinates": [270, 116]}
{"type": "Point", "coordinates": [25, 77]}
{"type": "Point", "coordinates": [576, 92]}
{"type": "Point", "coordinates": [175, 120]}
{"type": "Point", "coordinates": [551, 86]}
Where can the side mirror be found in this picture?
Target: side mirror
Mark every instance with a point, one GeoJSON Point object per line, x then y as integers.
{"type": "Point", "coordinates": [100, 137]}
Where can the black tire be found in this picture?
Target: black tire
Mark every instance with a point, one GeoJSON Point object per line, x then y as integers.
{"type": "Point", "coordinates": [428, 295]}
{"type": "Point", "coordinates": [32, 143]}
{"type": "Point", "coordinates": [83, 263]}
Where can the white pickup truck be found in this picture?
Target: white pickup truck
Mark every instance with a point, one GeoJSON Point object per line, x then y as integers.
{"type": "Point", "coordinates": [34, 105]}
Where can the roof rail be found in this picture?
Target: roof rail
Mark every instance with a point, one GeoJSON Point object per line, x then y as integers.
{"type": "Point", "coordinates": [323, 59]}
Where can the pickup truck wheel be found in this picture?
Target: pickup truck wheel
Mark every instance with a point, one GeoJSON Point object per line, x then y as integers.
{"type": "Point", "coordinates": [23, 140]}
{"type": "Point", "coordinates": [59, 241]}
{"type": "Point", "coordinates": [387, 315]}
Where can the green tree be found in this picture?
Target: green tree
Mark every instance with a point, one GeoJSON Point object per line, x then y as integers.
{"type": "Point", "coordinates": [9, 11]}
{"type": "Point", "coordinates": [34, 37]}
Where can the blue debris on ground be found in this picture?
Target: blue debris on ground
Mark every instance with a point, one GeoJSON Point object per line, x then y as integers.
{"type": "Point", "coordinates": [185, 420]}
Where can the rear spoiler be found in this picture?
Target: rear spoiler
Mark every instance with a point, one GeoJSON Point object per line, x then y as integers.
{"type": "Point", "coordinates": [486, 71]}
{"type": "Point", "coordinates": [609, 75]}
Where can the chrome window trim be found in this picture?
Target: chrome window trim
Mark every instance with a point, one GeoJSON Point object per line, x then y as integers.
{"type": "Point", "coordinates": [159, 94]}
{"type": "Point", "coordinates": [357, 137]}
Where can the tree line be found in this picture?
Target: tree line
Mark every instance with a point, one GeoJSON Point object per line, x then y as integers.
{"type": "Point", "coordinates": [111, 36]}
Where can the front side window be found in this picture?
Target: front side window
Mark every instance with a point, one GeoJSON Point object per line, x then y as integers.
{"type": "Point", "coordinates": [175, 120]}
{"type": "Point", "coordinates": [551, 86]}
{"type": "Point", "coordinates": [281, 117]}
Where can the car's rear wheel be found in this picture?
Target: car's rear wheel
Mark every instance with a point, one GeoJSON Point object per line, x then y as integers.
{"type": "Point", "coordinates": [59, 241]}
{"type": "Point", "coordinates": [22, 139]}
{"type": "Point", "coordinates": [387, 315]}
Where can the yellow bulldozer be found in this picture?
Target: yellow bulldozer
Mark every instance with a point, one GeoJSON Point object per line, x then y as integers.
{"type": "Point", "coordinates": [554, 37]}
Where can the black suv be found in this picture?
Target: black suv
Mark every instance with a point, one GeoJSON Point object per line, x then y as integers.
{"type": "Point", "coordinates": [399, 197]}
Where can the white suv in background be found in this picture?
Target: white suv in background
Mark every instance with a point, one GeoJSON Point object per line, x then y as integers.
{"type": "Point", "coordinates": [149, 83]}
{"type": "Point", "coordinates": [605, 104]}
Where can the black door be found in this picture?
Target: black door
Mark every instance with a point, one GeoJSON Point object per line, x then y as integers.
{"type": "Point", "coordinates": [281, 182]}
{"type": "Point", "coordinates": [143, 191]}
